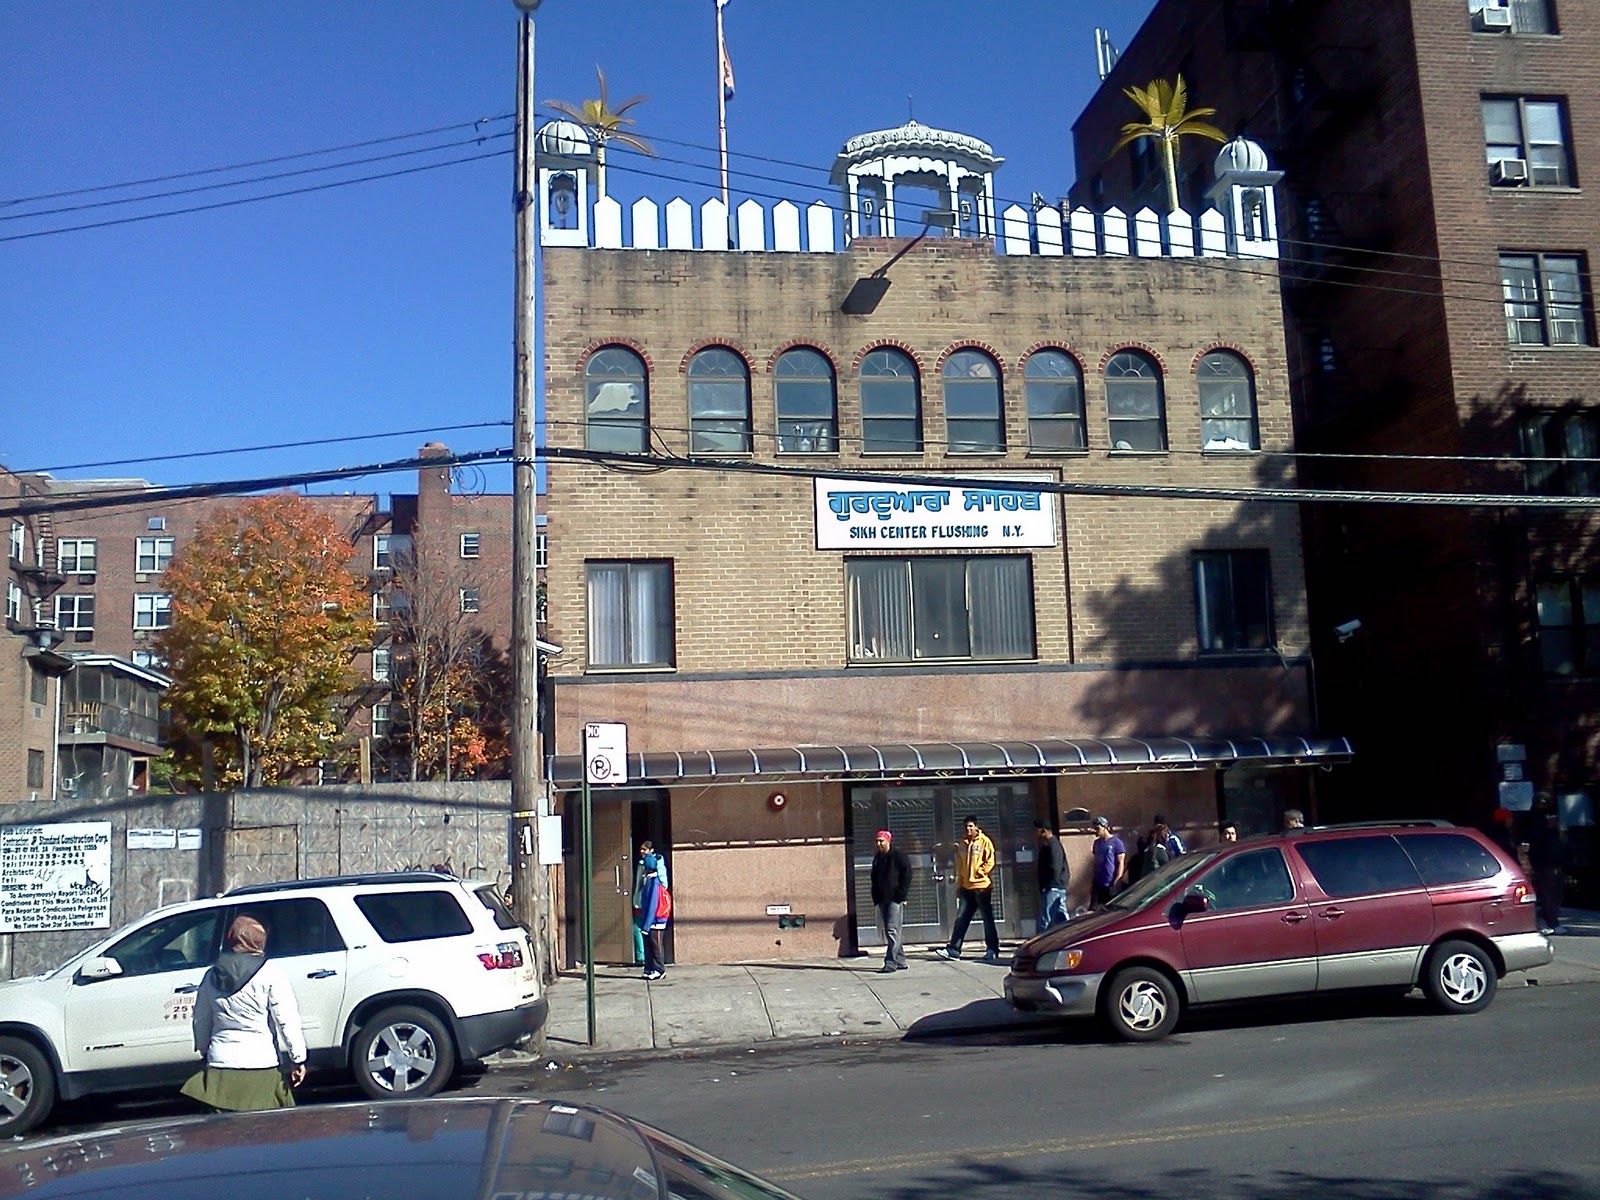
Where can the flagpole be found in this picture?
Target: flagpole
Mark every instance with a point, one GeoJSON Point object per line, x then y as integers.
{"type": "Point", "coordinates": [722, 104]}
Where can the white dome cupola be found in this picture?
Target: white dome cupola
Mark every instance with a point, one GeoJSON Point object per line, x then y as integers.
{"type": "Point", "coordinates": [890, 177]}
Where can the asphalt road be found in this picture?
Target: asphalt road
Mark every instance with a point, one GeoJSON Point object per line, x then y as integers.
{"type": "Point", "coordinates": [1369, 1100]}
{"type": "Point", "coordinates": [1352, 1100]}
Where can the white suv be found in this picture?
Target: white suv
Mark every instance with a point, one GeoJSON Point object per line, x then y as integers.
{"type": "Point", "coordinates": [400, 978]}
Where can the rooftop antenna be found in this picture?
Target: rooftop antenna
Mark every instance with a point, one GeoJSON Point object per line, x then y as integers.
{"type": "Point", "coordinates": [1105, 54]}
{"type": "Point", "coordinates": [910, 115]}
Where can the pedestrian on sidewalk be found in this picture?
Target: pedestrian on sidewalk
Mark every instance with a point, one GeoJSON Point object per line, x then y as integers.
{"type": "Point", "coordinates": [645, 847]}
{"type": "Point", "coordinates": [1053, 877]}
{"type": "Point", "coordinates": [1545, 855]}
{"type": "Point", "coordinates": [1230, 832]}
{"type": "Point", "coordinates": [1293, 818]}
{"type": "Point", "coordinates": [1170, 841]}
{"type": "Point", "coordinates": [891, 884]}
{"type": "Point", "coordinates": [974, 893]}
{"type": "Point", "coordinates": [652, 915]}
{"type": "Point", "coordinates": [1110, 863]}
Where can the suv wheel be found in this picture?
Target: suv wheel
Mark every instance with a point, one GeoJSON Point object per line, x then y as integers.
{"type": "Point", "coordinates": [1460, 977]}
{"type": "Point", "coordinates": [403, 1052]}
{"type": "Point", "coordinates": [27, 1086]}
{"type": "Point", "coordinates": [1141, 1005]}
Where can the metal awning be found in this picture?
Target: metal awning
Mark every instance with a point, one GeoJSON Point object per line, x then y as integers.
{"type": "Point", "coordinates": [935, 760]}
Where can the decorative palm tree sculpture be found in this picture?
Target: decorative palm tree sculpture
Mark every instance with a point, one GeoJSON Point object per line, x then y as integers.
{"type": "Point", "coordinates": [1167, 121]}
{"type": "Point", "coordinates": [605, 124]}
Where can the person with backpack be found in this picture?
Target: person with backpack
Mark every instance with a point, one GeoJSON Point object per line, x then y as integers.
{"type": "Point", "coordinates": [651, 916]}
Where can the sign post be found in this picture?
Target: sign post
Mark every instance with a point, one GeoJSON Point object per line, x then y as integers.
{"type": "Point", "coordinates": [604, 750]}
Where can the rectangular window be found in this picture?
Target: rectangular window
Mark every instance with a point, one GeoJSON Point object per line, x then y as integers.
{"type": "Point", "coordinates": [381, 658]}
{"type": "Point", "coordinates": [152, 610]}
{"type": "Point", "coordinates": [152, 554]}
{"type": "Point", "coordinates": [469, 600]}
{"type": "Point", "coordinates": [148, 659]}
{"type": "Point", "coordinates": [414, 916]}
{"type": "Point", "coordinates": [382, 610]}
{"type": "Point", "coordinates": [541, 551]}
{"type": "Point", "coordinates": [933, 607]}
{"type": "Point", "coordinates": [380, 721]}
{"type": "Point", "coordinates": [1512, 16]}
{"type": "Point", "coordinates": [38, 686]}
{"type": "Point", "coordinates": [19, 542]}
{"type": "Point", "coordinates": [75, 612]}
{"type": "Point", "coordinates": [1547, 299]}
{"type": "Point", "coordinates": [630, 614]}
{"type": "Point", "coordinates": [1233, 600]}
{"type": "Point", "coordinates": [76, 556]}
{"type": "Point", "coordinates": [469, 545]}
{"type": "Point", "coordinates": [1562, 453]}
{"type": "Point", "coordinates": [380, 552]}
{"type": "Point", "coordinates": [1568, 612]}
{"type": "Point", "coordinates": [35, 769]}
{"type": "Point", "coordinates": [1525, 142]}
{"type": "Point", "coordinates": [13, 601]}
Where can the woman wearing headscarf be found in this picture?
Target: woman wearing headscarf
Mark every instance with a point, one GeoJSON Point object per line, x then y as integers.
{"type": "Point", "coordinates": [247, 1024]}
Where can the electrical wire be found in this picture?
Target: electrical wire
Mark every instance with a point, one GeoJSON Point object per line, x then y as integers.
{"type": "Point", "coordinates": [259, 162]}
{"type": "Point", "coordinates": [301, 445]}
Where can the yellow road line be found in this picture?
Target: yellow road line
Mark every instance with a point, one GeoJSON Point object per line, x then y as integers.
{"type": "Point", "coordinates": [1321, 1119]}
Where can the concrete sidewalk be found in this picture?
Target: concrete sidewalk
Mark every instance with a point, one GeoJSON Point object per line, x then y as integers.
{"type": "Point", "coordinates": [748, 1004]}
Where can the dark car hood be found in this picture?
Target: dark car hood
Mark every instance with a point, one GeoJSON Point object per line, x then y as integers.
{"type": "Point", "coordinates": [416, 1149]}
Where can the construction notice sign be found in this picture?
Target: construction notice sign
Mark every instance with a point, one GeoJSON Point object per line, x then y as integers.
{"type": "Point", "coordinates": [55, 877]}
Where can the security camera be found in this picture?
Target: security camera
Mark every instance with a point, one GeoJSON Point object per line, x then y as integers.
{"type": "Point", "coordinates": [1347, 630]}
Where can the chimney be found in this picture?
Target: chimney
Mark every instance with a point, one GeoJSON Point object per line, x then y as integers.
{"type": "Point", "coordinates": [433, 489]}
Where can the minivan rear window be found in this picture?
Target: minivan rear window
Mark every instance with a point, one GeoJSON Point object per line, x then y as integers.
{"type": "Point", "coordinates": [414, 916]}
{"type": "Point", "coordinates": [1443, 858]}
{"type": "Point", "coordinates": [1359, 866]}
{"type": "Point", "coordinates": [489, 896]}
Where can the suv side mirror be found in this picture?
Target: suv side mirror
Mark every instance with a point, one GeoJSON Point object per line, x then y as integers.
{"type": "Point", "coordinates": [1194, 901]}
{"type": "Point", "coordinates": [99, 968]}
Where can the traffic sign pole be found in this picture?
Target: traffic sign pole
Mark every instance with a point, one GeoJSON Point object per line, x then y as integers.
{"type": "Point", "coordinates": [586, 810]}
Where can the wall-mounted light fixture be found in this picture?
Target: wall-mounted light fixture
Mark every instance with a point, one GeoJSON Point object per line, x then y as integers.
{"type": "Point", "coordinates": [868, 292]}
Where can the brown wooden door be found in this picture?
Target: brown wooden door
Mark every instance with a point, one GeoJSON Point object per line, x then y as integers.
{"type": "Point", "coordinates": [612, 882]}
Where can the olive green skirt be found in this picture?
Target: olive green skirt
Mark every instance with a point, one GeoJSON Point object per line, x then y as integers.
{"type": "Point", "coordinates": [234, 1089]}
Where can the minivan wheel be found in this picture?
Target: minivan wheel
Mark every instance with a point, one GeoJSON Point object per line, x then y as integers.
{"type": "Point", "coordinates": [402, 1053]}
{"type": "Point", "coordinates": [1460, 977]}
{"type": "Point", "coordinates": [1141, 1005]}
{"type": "Point", "coordinates": [27, 1086]}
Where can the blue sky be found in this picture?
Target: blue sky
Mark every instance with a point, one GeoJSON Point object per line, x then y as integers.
{"type": "Point", "coordinates": [386, 306]}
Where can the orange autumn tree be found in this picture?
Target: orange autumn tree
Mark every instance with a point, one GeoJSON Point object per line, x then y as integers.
{"type": "Point", "coordinates": [266, 618]}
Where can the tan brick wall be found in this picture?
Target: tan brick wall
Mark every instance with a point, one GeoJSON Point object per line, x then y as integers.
{"type": "Point", "coordinates": [752, 592]}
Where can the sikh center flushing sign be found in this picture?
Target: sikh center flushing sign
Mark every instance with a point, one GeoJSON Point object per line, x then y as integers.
{"type": "Point", "coordinates": [856, 515]}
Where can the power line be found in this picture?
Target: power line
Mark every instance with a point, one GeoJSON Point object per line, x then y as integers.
{"type": "Point", "coordinates": [330, 441]}
{"type": "Point", "coordinates": [235, 183]}
{"type": "Point", "coordinates": [319, 187]}
{"type": "Point", "coordinates": [259, 162]}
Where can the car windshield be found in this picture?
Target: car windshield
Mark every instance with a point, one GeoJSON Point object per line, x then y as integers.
{"type": "Point", "coordinates": [1162, 880]}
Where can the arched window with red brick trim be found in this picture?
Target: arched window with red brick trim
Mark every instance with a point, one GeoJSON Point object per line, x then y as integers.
{"type": "Point", "coordinates": [616, 401]}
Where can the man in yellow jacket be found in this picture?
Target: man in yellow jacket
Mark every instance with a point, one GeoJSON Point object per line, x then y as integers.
{"type": "Point", "coordinates": [974, 893]}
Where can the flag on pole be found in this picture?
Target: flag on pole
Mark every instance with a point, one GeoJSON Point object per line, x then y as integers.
{"type": "Point", "coordinates": [722, 55]}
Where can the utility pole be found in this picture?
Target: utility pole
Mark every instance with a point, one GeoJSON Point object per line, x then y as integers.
{"type": "Point", "coordinates": [529, 879]}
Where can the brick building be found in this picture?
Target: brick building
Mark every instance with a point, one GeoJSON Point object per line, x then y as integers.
{"type": "Point", "coordinates": [1438, 298]}
{"type": "Point", "coordinates": [96, 574]}
{"type": "Point", "coordinates": [858, 609]}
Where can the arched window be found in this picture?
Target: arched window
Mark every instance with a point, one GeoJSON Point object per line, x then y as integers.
{"type": "Point", "coordinates": [719, 403]}
{"type": "Point", "coordinates": [891, 404]}
{"type": "Point", "coordinates": [616, 401]}
{"type": "Point", "coordinates": [563, 201]}
{"type": "Point", "coordinates": [973, 417]}
{"type": "Point", "coordinates": [808, 419]}
{"type": "Point", "coordinates": [1135, 411]}
{"type": "Point", "coordinates": [1054, 386]}
{"type": "Point", "coordinates": [1227, 403]}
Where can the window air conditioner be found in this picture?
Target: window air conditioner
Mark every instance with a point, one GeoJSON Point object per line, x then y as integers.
{"type": "Point", "coordinates": [1509, 172]}
{"type": "Point", "coordinates": [1493, 18]}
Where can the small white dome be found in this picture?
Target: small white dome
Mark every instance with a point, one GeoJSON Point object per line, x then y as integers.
{"type": "Point", "coordinates": [563, 139]}
{"type": "Point", "coordinates": [1241, 154]}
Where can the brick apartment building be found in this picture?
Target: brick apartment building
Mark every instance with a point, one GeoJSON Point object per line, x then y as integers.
{"type": "Point", "coordinates": [1438, 298]}
{"type": "Point", "coordinates": [858, 614]}
{"type": "Point", "coordinates": [96, 574]}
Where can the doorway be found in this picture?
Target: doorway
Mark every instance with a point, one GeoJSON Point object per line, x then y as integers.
{"type": "Point", "coordinates": [926, 822]}
{"type": "Point", "coordinates": [623, 817]}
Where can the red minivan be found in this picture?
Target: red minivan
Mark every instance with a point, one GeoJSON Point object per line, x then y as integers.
{"type": "Point", "coordinates": [1388, 905]}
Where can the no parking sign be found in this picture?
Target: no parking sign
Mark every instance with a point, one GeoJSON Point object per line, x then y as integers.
{"type": "Point", "coordinates": [605, 752]}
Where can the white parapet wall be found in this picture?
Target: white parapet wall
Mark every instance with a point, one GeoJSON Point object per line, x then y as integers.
{"type": "Point", "coordinates": [678, 225]}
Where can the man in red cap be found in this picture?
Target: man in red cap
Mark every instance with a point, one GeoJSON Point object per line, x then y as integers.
{"type": "Point", "coordinates": [891, 884]}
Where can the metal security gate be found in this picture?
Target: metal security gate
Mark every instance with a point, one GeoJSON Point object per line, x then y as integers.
{"type": "Point", "coordinates": [927, 823]}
